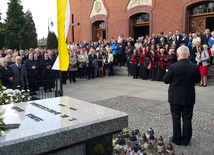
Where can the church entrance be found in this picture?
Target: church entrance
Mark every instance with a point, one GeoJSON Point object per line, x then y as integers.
{"type": "Point", "coordinates": [201, 17]}
{"type": "Point", "coordinates": [139, 25]}
{"type": "Point", "coordinates": [99, 30]}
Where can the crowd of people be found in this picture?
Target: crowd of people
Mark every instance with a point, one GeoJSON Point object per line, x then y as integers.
{"type": "Point", "coordinates": [152, 57]}
{"type": "Point", "coordinates": [28, 69]}
{"type": "Point", "coordinates": [147, 57]}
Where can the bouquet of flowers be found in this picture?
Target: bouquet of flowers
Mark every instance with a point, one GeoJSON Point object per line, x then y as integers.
{"type": "Point", "coordinates": [8, 96]}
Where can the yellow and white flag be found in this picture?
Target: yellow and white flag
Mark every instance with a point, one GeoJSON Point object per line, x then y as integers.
{"type": "Point", "coordinates": [63, 22]}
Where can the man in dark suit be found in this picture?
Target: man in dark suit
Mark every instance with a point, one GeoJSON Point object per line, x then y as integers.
{"type": "Point", "coordinates": [6, 74]}
{"type": "Point", "coordinates": [182, 77]}
{"type": "Point", "coordinates": [121, 52]}
{"type": "Point", "coordinates": [205, 37]}
{"type": "Point", "coordinates": [185, 39]}
{"type": "Point", "coordinates": [20, 80]}
{"type": "Point", "coordinates": [91, 59]}
{"type": "Point", "coordinates": [178, 37]}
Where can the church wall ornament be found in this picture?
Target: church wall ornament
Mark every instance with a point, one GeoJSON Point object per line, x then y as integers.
{"type": "Point", "coordinates": [98, 8]}
{"type": "Point", "coordinates": [134, 3]}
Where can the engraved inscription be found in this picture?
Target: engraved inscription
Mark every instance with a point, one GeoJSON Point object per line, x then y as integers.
{"type": "Point", "coordinates": [62, 105]}
{"type": "Point", "coordinates": [72, 108]}
{"type": "Point", "coordinates": [64, 116]}
{"type": "Point", "coordinates": [73, 119]}
{"type": "Point", "coordinates": [45, 108]}
{"type": "Point", "coordinates": [35, 118]}
{"type": "Point", "coordinates": [17, 109]}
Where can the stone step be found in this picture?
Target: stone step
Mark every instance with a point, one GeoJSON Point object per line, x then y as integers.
{"type": "Point", "coordinates": [211, 72]}
{"type": "Point", "coordinates": [120, 71]}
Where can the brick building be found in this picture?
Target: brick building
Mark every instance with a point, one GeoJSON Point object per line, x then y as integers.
{"type": "Point", "coordinates": [103, 19]}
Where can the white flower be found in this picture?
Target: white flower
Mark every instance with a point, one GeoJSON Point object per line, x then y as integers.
{"type": "Point", "coordinates": [22, 91]}
{"type": "Point", "coordinates": [2, 111]}
{"type": "Point", "coordinates": [16, 100]}
{"type": "Point", "coordinates": [16, 91]}
{"type": "Point", "coordinates": [29, 98]}
{"type": "Point", "coordinates": [6, 101]}
{"type": "Point", "coordinates": [2, 133]}
{"type": "Point", "coordinates": [11, 98]}
{"type": "Point", "coordinates": [10, 95]}
{"type": "Point", "coordinates": [3, 87]}
{"type": "Point", "coordinates": [28, 90]}
{"type": "Point", "coordinates": [22, 96]}
{"type": "Point", "coordinates": [8, 91]}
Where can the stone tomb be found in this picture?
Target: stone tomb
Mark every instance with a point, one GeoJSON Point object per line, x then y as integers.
{"type": "Point", "coordinates": [60, 125]}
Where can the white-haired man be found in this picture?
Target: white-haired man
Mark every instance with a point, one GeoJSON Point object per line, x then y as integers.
{"type": "Point", "coordinates": [182, 77]}
{"type": "Point", "coordinates": [20, 80]}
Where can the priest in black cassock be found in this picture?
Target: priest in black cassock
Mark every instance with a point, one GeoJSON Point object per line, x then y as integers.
{"type": "Point", "coordinates": [47, 73]}
{"type": "Point", "coordinates": [32, 66]}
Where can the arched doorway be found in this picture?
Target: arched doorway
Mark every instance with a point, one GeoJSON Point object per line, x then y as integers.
{"type": "Point", "coordinates": [139, 25]}
{"type": "Point", "coordinates": [201, 17]}
{"type": "Point", "coordinates": [99, 30]}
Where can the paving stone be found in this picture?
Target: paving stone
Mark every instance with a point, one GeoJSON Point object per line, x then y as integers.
{"type": "Point", "coordinates": [145, 113]}
{"type": "Point", "coordinates": [146, 103]}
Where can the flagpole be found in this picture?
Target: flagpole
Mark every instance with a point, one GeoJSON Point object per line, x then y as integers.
{"type": "Point", "coordinates": [61, 88]}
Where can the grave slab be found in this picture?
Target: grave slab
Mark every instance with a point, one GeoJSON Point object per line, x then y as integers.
{"type": "Point", "coordinates": [57, 125]}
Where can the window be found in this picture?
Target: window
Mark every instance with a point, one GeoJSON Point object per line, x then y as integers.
{"type": "Point", "coordinates": [102, 25]}
{"type": "Point", "coordinates": [141, 18]}
{"type": "Point", "coordinates": [203, 8]}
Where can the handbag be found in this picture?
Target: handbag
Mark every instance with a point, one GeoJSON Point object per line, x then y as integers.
{"type": "Point", "coordinates": [209, 60]}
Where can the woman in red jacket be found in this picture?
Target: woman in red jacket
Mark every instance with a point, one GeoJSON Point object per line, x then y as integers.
{"type": "Point", "coordinates": [134, 64]}
{"type": "Point", "coordinates": [143, 68]}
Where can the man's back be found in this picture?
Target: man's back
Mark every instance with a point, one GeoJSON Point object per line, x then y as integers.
{"type": "Point", "coordinates": [182, 77]}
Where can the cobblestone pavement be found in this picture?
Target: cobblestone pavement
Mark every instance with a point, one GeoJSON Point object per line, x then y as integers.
{"type": "Point", "coordinates": [146, 104]}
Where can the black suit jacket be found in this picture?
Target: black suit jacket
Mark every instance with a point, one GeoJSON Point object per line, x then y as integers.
{"type": "Point", "coordinates": [91, 59]}
{"type": "Point", "coordinates": [19, 76]}
{"type": "Point", "coordinates": [178, 40]}
{"type": "Point", "coordinates": [182, 77]}
{"type": "Point", "coordinates": [5, 75]}
{"type": "Point", "coordinates": [204, 39]}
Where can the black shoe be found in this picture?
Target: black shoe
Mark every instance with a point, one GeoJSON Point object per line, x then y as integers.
{"type": "Point", "coordinates": [200, 85]}
{"type": "Point", "coordinates": [172, 141]}
{"type": "Point", "coordinates": [50, 90]}
{"type": "Point", "coordinates": [204, 85]}
{"type": "Point", "coordinates": [74, 81]}
{"type": "Point", "coordinates": [46, 90]}
{"type": "Point", "coordinates": [184, 144]}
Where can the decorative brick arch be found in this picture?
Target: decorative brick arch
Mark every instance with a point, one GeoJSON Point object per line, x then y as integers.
{"type": "Point", "coordinates": [138, 10]}
{"type": "Point", "coordinates": [185, 17]}
{"type": "Point", "coordinates": [96, 19]}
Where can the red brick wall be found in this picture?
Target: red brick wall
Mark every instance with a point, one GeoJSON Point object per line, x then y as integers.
{"type": "Point", "coordinates": [164, 16]}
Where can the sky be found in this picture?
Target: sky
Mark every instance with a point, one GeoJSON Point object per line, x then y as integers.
{"type": "Point", "coordinates": [41, 10]}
